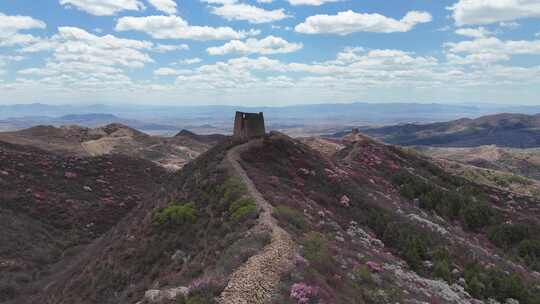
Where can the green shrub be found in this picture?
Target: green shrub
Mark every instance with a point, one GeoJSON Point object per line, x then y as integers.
{"type": "Point", "coordinates": [507, 235]}
{"type": "Point", "coordinates": [292, 217]}
{"type": "Point", "coordinates": [485, 283]}
{"type": "Point", "coordinates": [530, 251]}
{"type": "Point", "coordinates": [363, 275]}
{"type": "Point", "coordinates": [205, 296]}
{"type": "Point", "coordinates": [317, 251]}
{"type": "Point", "coordinates": [464, 202]}
{"type": "Point", "coordinates": [243, 208]}
{"type": "Point", "coordinates": [377, 219]}
{"type": "Point", "coordinates": [233, 189]}
{"type": "Point", "coordinates": [412, 242]}
{"type": "Point", "coordinates": [477, 216]}
{"type": "Point", "coordinates": [200, 299]}
{"type": "Point", "coordinates": [441, 269]}
{"type": "Point", "coordinates": [176, 214]}
{"type": "Point", "coordinates": [476, 288]}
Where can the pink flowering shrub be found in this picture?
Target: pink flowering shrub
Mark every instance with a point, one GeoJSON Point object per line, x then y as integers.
{"type": "Point", "coordinates": [201, 283]}
{"type": "Point", "coordinates": [198, 283]}
{"type": "Point", "coordinates": [300, 261]}
{"type": "Point", "coordinates": [303, 293]}
{"type": "Point", "coordinates": [373, 266]}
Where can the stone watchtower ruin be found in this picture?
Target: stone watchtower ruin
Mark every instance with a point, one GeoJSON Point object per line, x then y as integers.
{"type": "Point", "coordinates": [249, 125]}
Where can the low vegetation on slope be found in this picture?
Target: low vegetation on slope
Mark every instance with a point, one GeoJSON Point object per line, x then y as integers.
{"type": "Point", "coordinates": [372, 223]}
{"type": "Point", "coordinates": [178, 246]}
{"type": "Point", "coordinates": [379, 224]}
{"type": "Point", "coordinates": [50, 206]}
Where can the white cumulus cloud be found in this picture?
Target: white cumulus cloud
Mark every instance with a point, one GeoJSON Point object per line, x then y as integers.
{"type": "Point", "coordinates": [486, 50]}
{"type": "Point", "coordinates": [166, 6]}
{"type": "Point", "coordinates": [188, 61]}
{"type": "Point", "coordinates": [266, 46]}
{"type": "Point", "coordinates": [12, 24]}
{"type": "Point", "coordinates": [311, 2]}
{"type": "Point", "coordinates": [10, 27]}
{"type": "Point", "coordinates": [471, 12]}
{"type": "Point", "coordinates": [104, 7]}
{"type": "Point", "coordinates": [473, 32]}
{"type": "Point", "coordinates": [170, 72]}
{"type": "Point", "coordinates": [250, 13]}
{"type": "Point", "coordinates": [174, 27]}
{"type": "Point", "coordinates": [163, 48]}
{"type": "Point", "coordinates": [348, 22]}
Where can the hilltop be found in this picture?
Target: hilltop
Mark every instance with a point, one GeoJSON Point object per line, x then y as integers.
{"type": "Point", "coordinates": [503, 130]}
{"type": "Point", "coordinates": [171, 152]}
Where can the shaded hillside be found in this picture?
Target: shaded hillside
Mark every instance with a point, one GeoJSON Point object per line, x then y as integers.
{"type": "Point", "coordinates": [171, 152]}
{"type": "Point", "coordinates": [503, 130]}
{"type": "Point", "coordinates": [51, 205]}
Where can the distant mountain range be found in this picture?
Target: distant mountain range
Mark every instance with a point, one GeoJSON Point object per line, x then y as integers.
{"type": "Point", "coordinates": [503, 130]}
{"type": "Point", "coordinates": [90, 120]}
{"type": "Point", "coordinates": [319, 118]}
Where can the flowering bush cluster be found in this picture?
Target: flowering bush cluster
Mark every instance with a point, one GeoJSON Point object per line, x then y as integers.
{"type": "Point", "coordinates": [303, 293]}
{"type": "Point", "coordinates": [300, 261]}
{"type": "Point", "coordinates": [200, 284]}
{"type": "Point", "coordinates": [373, 266]}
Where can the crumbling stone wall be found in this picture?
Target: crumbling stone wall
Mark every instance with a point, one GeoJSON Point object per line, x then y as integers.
{"type": "Point", "coordinates": [249, 125]}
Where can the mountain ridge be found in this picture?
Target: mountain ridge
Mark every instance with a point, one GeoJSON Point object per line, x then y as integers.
{"type": "Point", "coordinates": [115, 138]}
{"type": "Point", "coordinates": [504, 130]}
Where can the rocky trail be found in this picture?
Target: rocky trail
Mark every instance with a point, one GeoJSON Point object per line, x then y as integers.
{"type": "Point", "coordinates": [258, 279]}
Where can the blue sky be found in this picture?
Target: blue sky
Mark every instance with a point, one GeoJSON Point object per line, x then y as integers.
{"type": "Point", "coordinates": [269, 52]}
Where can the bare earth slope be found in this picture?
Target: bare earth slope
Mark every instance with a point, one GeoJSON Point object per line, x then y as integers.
{"type": "Point", "coordinates": [170, 152]}
{"type": "Point", "coordinates": [525, 162]}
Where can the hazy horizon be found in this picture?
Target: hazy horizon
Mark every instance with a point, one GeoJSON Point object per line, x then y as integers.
{"type": "Point", "coordinates": [158, 105]}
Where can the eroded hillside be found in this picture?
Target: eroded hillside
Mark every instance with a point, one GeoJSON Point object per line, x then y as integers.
{"type": "Point", "coordinates": [170, 152]}
{"type": "Point", "coordinates": [525, 162]}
